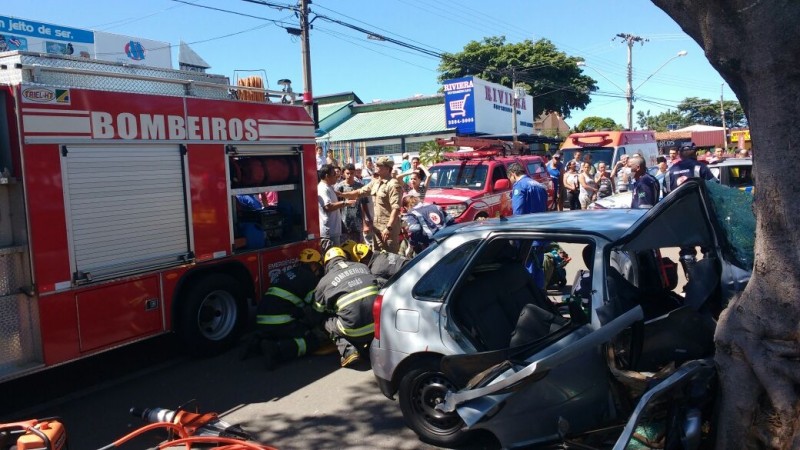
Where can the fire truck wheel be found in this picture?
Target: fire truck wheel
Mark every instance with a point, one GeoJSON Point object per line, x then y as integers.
{"type": "Point", "coordinates": [211, 314]}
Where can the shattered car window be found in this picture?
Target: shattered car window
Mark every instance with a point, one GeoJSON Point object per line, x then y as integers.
{"type": "Point", "coordinates": [734, 213]}
{"type": "Point", "coordinates": [435, 284]}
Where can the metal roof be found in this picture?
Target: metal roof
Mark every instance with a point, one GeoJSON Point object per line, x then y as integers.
{"type": "Point", "coordinates": [329, 109]}
{"type": "Point", "coordinates": [371, 122]}
{"type": "Point", "coordinates": [188, 56]}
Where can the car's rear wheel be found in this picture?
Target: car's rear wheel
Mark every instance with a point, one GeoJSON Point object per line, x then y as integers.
{"type": "Point", "coordinates": [421, 389]}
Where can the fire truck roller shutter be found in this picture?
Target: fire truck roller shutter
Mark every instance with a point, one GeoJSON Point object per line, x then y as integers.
{"type": "Point", "coordinates": [127, 208]}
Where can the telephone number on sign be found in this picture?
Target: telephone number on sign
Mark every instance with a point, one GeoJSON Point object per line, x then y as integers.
{"type": "Point", "coordinates": [460, 121]}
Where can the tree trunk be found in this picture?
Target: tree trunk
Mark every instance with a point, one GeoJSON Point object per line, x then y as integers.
{"type": "Point", "coordinates": [755, 46]}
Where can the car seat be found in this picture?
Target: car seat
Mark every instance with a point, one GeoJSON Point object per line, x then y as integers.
{"type": "Point", "coordinates": [502, 307]}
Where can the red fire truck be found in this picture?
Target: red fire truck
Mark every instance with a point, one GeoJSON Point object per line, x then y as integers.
{"type": "Point", "coordinates": [473, 183]}
{"type": "Point", "coordinates": [126, 206]}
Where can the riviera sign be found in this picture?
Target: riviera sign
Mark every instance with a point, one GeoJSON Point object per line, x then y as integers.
{"type": "Point", "coordinates": [473, 105]}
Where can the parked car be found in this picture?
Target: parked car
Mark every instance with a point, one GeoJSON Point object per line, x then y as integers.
{"type": "Point", "coordinates": [733, 172]}
{"type": "Point", "coordinates": [468, 344]}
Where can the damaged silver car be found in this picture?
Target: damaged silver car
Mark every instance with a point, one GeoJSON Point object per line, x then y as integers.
{"type": "Point", "coordinates": [470, 345]}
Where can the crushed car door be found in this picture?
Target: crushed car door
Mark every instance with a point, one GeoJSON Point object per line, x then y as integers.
{"type": "Point", "coordinates": [493, 385]}
{"type": "Point", "coordinates": [716, 218]}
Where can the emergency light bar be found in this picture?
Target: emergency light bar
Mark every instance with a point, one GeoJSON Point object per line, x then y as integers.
{"type": "Point", "coordinates": [604, 139]}
{"type": "Point", "coordinates": [476, 154]}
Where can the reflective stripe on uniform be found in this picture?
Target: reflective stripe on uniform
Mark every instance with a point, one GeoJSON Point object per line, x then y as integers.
{"type": "Point", "coordinates": [284, 294]}
{"type": "Point", "coordinates": [356, 296]}
{"type": "Point", "coordinates": [309, 298]}
{"type": "Point", "coordinates": [277, 319]}
{"type": "Point", "coordinates": [301, 346]}
{"type": "Point", "coordinates": [355, 332]}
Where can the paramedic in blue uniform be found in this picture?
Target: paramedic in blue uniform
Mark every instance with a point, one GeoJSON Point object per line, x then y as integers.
{"type": "Point", "coordinates": [686, 167]}
{"type": "Point", "coordinates": [645, 187]}
{"type": "Point", "coordinates": [527, 196]}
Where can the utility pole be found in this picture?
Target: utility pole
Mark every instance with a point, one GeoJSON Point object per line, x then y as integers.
{"type": "Point", "coordinates": [308, 98]}
{"type": "Point", "coordinates": [514, 107]}
{"type": "Point", "coordinates": [722, 111]}
{"type": "Point", "coordinates": [630, 39]}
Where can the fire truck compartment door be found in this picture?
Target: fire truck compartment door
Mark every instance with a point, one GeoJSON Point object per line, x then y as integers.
{"type": "Point", "coordinates": [127, 209]}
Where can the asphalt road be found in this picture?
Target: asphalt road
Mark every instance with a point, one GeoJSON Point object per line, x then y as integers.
{"type": "Point", "coordinates": [308, 403]}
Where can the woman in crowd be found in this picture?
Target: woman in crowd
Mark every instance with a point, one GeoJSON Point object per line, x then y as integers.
{"type": "Point", "coordinates": [605, 184]}
{"type": "Point", "coordinates": [572, 185]}
{"type": "Point", "coordinates": [588, 190]}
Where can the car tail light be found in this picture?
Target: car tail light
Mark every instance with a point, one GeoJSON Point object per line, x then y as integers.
{"type": "Point", "coordinates": [376, 315]}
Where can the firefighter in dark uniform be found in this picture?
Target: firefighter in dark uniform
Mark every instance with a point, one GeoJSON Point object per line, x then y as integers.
{"type": "Point", "coordinates": [285, 317]}
{"type": "Point", "coordinates": [347, 291]}
{"type": "Point", "coordinates": [381, 264]}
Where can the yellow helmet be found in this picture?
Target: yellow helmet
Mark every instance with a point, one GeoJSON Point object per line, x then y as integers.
{"type": "Point", "coordinates": [334, 252]}
{"type": "Point", "coordinates": [310, 255]}
{"type": "Point", "coordinates": [348, 245]}
{"type": "Point", "coordinates": [360, 251]}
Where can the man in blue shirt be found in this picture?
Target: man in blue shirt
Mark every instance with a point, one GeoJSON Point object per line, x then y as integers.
{"type": "Point", "coordinates": [645, 186]}
{"type": "Point", "coordinates": [527, 196]}
{"type": "Point", "coordinates": [556, 170]}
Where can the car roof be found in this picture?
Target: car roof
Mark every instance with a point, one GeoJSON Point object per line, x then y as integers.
{"type": "Point", "coordinates": [732, 162]}
{"type": "Point", "coordinates": [609, 223]}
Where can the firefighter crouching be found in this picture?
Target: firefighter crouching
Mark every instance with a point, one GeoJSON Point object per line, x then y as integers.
{"type": "Point", "coordinates": [381, 264]}
{"type": "Point", "coordinates": [285, 317]}
{"type": "Point", "coordinates": [347, 290]}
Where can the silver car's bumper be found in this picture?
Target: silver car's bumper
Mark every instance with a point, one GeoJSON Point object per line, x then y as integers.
{"type": "Point", "coordinates": [384, 363]}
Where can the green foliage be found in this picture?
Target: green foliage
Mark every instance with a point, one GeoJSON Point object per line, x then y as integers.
{"type": "Point", "coordinates": [430, 153]}
{"type": "Point", "coordinates": [551, 76]}
{"type": "Point", "coordinates": [595, 123]}
{"type": "Point", "coordinates": [661, 122]}
{"type": "Point", "coordinates": [693, 110]}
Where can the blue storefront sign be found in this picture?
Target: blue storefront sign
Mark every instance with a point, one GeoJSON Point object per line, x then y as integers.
{"type": "Point", "coordinates": [20, 27]}
{"type": "Point", "coordinates": [28, 35]}
{"type": "Point", "coordinates": [459, 105]}
{"type": "Point", "coordinates": [475, 106]}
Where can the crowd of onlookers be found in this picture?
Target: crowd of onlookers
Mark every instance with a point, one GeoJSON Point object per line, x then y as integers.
{"type": "Point", "coordinates": [369, 204]}
{"type": "Point", "coordinates": [579, 181]}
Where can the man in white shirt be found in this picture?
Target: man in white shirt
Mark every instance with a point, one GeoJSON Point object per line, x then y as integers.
{"type": "Point", "coordinates": [330, 209]}
{"type": "Point", "coordinates": [320, 158]}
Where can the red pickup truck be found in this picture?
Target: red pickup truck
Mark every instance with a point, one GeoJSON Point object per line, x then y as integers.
{"type": "Point", "coordinates": [473, 185]}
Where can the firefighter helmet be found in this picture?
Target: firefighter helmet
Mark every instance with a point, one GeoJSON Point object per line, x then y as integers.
{"type": "Point", "coordinates": [334, 252]}
{"type": "Point", "coordinates": [348, 246]}
{"type": "Point", "coordinates": [360, 251]}
{"type": "Point", "coordinates": [309, 255]}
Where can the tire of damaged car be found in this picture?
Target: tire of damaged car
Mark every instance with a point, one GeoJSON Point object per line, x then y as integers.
{"type": "Point", "coordinates": [421, 389]}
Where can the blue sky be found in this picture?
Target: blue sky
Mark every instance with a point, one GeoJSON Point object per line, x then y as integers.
{"type": "Point", "coordinates": [344, 60]}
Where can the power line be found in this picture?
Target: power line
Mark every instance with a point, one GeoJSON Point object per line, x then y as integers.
{"type": "Point", "coordinates": [116, 23]}
{"type": "Point", "coordinates": [228, 11]}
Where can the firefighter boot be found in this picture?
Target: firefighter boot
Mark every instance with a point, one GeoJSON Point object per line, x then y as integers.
{"type": "Point", "coordinates": [270, 351]}
{"type": "Point", "coordinates": [251, 347]}
{"type": "Point", "coordinates": [350, 356]}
